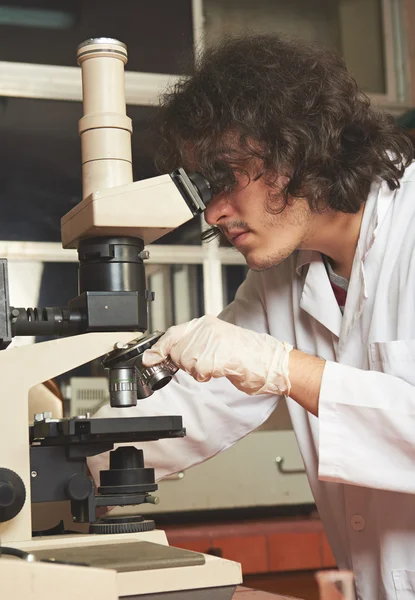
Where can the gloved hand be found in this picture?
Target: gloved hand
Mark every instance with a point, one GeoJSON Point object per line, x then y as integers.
{"type": "Point", "coordinates": [255, 363]}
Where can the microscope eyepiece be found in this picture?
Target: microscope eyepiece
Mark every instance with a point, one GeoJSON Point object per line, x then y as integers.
{"type": "Point", "coordinates": [104, 41]}
{"type": "Point", "coordinates": [194, 188]}
{"type": "Point", "coordinates": [202, 186]}
{"type": "Point", "coordinates": [102, 46]}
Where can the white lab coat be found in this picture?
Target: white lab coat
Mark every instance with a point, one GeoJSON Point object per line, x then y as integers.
{"type": "Point", "coordinates": [360, 452]}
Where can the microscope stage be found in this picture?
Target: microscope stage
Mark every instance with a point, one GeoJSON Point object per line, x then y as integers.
{"type": "Point", "coordinates": [135, 556]}
{"type": "Point", "coordinates": [77, 430]}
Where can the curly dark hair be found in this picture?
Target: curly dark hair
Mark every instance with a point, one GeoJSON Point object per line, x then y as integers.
{"type": "Point", "coordinates": [291, 107]}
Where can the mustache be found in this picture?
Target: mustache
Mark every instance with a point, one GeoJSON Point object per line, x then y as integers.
{"type": "Point", "coordinates": [223, 232]}
{"type": "Point", "coordinates": [231, 226]}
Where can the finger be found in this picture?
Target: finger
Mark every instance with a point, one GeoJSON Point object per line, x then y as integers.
{"type": "Point", "coordinates": [151, 358]}
{"type": "Point", "coordinates": [161, 350]}
{"type": "Point", "coordinates": [158, 352]}
{"type": "Point", "coordinates": [202, 377]}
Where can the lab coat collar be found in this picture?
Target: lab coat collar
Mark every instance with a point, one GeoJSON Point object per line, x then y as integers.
{"type": "Point", "coordinates": [377, 203]}
{"type": "Point", "coordinates": [317, 297]}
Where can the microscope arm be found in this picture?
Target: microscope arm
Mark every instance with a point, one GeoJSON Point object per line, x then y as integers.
{"type": "Point", "coordinates": [21, 368]}
{"type": "Point", "coordinates": [35, 363]}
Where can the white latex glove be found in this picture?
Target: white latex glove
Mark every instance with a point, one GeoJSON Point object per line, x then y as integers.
{"type": "Point", "coordinates": [255, 363]}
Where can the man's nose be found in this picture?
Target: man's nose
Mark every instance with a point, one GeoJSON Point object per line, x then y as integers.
{"type": "Point", "coordinates": [218, 210]}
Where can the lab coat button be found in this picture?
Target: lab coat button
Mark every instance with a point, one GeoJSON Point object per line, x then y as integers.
{"type": "Point", "coordinates": [358, 522]}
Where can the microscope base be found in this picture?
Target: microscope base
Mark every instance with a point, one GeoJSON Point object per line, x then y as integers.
{"type": "Point", "coordinates": [45, 581]}
{"type": "Point", "coordinates": [147, 567]}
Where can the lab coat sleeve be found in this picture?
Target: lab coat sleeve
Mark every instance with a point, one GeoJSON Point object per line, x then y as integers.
{"type": "Point", "coordinates": [215, 414]}
{"type": "Point", "coordinates": [367, 429]}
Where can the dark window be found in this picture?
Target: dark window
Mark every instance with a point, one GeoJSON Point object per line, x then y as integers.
{"type": "Point", "coordinates": [40, 167]}
{"type": "Point", "coordinates": [158, 34]}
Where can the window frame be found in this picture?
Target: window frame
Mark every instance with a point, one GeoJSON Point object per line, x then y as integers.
{"type": "Point", "coordinates": [397, 96]}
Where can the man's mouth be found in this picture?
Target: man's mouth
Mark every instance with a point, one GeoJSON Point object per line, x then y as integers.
{"type": "Point", "coordinates": [237, 237]}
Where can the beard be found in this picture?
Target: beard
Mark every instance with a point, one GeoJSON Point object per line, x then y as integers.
{"type": "Point", "coordinates": [267, 262]}
{"type": "Point", "coordinates": [289, 227]}
{"type": "Point", "coordinates": [297, 221]}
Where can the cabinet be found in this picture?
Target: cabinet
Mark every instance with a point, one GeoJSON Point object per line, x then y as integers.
{"type": "Point", "coordinates": [245, 476]}
{"type": "Point", "coordinates": [261, 546]}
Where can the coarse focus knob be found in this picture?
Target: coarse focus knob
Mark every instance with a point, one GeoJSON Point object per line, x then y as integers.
{"type": "Point", "coordinates": [122, 524]}
{"type": "Point", "coordinates": [12, 494]}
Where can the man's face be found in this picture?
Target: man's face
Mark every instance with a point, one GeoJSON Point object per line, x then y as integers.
{"type": "Point", "coordinates": [263, 238]}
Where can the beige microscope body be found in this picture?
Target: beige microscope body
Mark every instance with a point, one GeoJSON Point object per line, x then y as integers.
{"type": "Point", "coordinates": [112, 205]}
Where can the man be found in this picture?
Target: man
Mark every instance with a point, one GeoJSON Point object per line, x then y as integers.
{"type": "Point", "coordinates": [317, 190]}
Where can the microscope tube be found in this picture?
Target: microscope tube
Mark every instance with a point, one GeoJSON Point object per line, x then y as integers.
{"type": "Point", "coordinates": [105, 128]}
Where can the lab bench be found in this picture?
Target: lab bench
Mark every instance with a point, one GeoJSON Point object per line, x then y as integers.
{"type": "Point", "coordinates": [243, 593]}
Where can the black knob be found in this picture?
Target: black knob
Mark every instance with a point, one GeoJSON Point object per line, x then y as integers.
{"type": "Point", "coordinates": [7, 494]}
{"type": "Point", "coordinates": [79, 487]}
{"type": "Point", "coordinates": [12, 494]}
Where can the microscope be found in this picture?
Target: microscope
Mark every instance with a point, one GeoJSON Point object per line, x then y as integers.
{"type": "Point", "coordinates": [46, 461]}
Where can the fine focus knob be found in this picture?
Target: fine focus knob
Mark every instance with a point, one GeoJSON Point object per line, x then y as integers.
{"type": "Point", "coordinates": [12, 494]}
